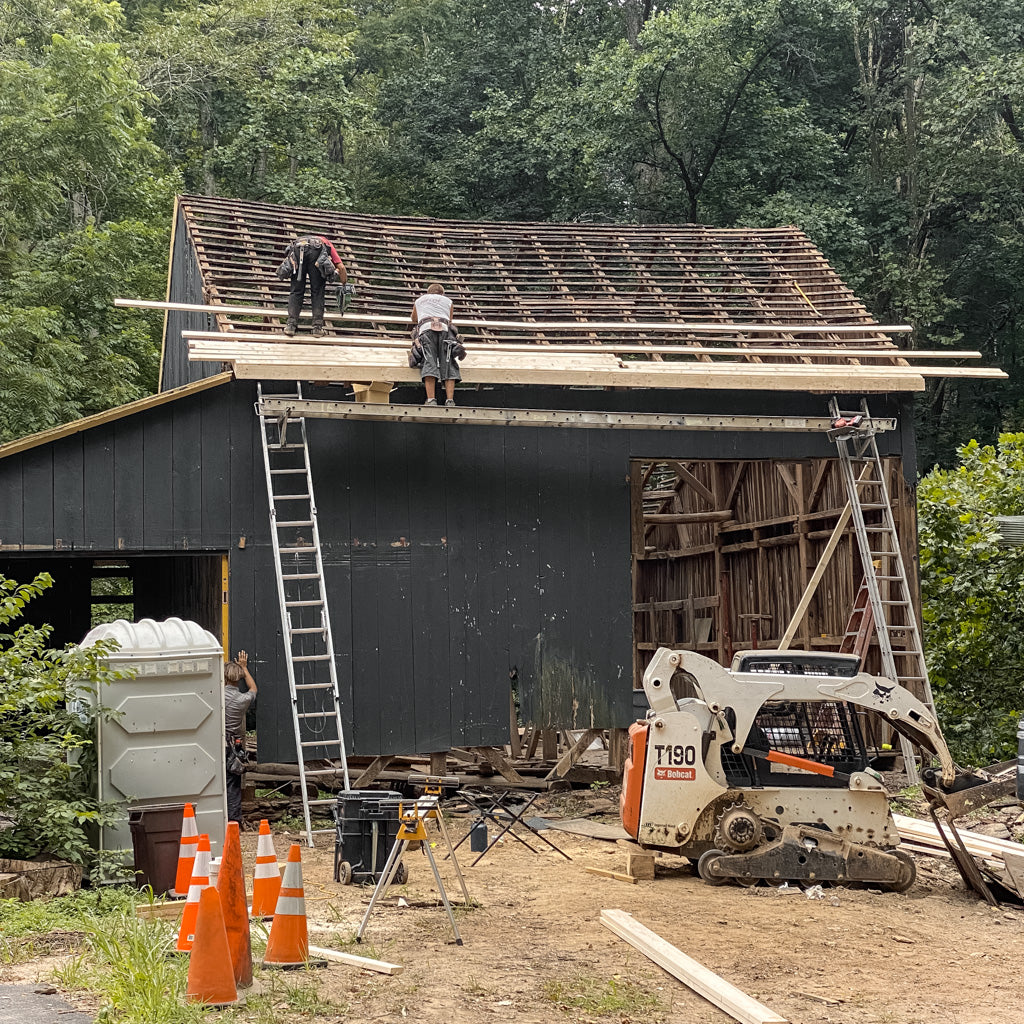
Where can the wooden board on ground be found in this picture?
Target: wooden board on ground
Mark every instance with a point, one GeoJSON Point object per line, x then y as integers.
{"type": "Point", "coordinates": [366, 963]}
{"type": "Point", "coordinates": [582, 827]}
{"type": "Point", "coordinates": [703, 981]}
{"type": "Point", "coordinates": [160, 911]}
{"type": "Point", "coordinates": [617, 875]}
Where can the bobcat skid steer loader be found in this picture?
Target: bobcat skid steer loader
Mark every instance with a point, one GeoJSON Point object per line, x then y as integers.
{"type": "Point", "coordinates": [763, 773]}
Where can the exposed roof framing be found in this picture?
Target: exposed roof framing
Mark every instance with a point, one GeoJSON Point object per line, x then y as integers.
{"type": "Point", "coordinates": [761, 298]}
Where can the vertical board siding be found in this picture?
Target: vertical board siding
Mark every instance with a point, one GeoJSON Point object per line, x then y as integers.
{"type": "Point", "coordinates": [68, 493]}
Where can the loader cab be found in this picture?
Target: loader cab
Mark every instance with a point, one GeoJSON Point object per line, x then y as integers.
{"type": "Point", "coordinates": [828, 732]}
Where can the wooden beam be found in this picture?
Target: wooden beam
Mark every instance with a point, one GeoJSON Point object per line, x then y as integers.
{"type": "Point", "coordinates": [677, 518]}
{"type": "Point", "coordinates": [690, 972]}
{"type": "Point", "coordinates": [365, 962]}
{"type": "Point", "coordinates": [573, 754]}
{"type": "Point", "coordinates": [812, 583]}
{"type": "Point", "coordinates": [687, 327]}
{"type": "Point", "coordinates": [698, 485]}
{"type": "Point", "coordinates": [740, 377]}
{"type": "Point", "coordinates": [372, 771]}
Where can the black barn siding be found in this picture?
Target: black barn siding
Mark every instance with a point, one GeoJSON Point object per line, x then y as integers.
{"type": "Point", "coordinates": [456, 557]}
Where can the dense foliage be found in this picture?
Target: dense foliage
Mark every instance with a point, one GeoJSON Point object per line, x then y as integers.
{"type": "Point", "coordinates": [890, 130]}
{"type": "Point", "coordinates": [971, 589]}
{"type": "Point", "coordinates": [47, 765]}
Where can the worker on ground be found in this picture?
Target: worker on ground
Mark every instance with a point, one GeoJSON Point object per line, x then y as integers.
{"type": "Point", "coordinates": [432, 315]}
{"type": "Point", "coordinates": [315, 258]}
{"type": "Point", "coordinates": [236, 704]}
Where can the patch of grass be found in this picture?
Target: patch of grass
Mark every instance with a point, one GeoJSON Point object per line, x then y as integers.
{"type": "Point", "coordinates": [605, 997]}
{"type": "Point", "coordinates": [129, 963]}
{"type": "Point", "coordinates": [907, 801]}
{"type": "Point", "coordinates": [42, 927]}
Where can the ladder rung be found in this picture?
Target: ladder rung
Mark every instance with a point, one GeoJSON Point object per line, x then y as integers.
{"type": "Point", "coordinates": [312, 657]}
{"type": "Point", "coordinates": [319, 743]}
{"type": "Point", "coordinates": [300, 576]}
{"type": "Point", "coordinates": [284, 472]}
{"type": "Point", "coordinates": [294, 522]}
{"type": "Point", "coordinates": [293, 550]}
{"type": "Point", "coordinates": [287, 447]}
{"type": "Point", "coordinates": [302, 604]}
{"type": "Point", "coordinates": [320, 803]}
{"type": "Point", "coordinates": [897, 603]}
{"type": "Point", "coordinates": [291, 497]}
{"type": "Point", "coordinates": [315, 714]}
{"type": "Point", "coordinates": [314, 686]}
{"type": "Point", "coordinates": [307, 629]}
{"type": "Point", "coordinates": [325, 771]}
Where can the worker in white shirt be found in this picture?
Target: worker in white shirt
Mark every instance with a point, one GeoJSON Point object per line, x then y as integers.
{"type": "Point", "coordinates": [432, 315]}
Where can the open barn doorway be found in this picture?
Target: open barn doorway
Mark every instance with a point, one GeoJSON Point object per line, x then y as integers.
{"type": "Point", "coordinates": [89, 590]}
{"type": "Point", "coordinates": [723, 551]}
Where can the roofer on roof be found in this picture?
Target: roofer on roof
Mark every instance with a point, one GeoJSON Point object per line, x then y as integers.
{"type": "Point", "coordinates": [438, 340]}
{"type": "Point", "coordinates": [313, 257]}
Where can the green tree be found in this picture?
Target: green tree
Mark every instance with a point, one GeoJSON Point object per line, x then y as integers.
{"type": "Point", "coordinates": [84, 205]}
{"type": "Point", "coordinates": [971, 589]}
{"type": "Point", "coordinates": [47, 762]}
{"type": "Point", "coordinates": [251, 96]}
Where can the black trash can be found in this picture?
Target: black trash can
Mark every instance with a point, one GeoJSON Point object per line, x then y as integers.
{"type": "Point", "coordinates": [156, 838]}
{"type": "Point", "coordinates": [366, 824]}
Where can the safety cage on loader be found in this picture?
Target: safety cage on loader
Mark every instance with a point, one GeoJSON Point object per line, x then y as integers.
{"type": "Point", "coordinates": [828, 733]}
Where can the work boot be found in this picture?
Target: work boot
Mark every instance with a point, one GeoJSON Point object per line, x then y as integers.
{"type": "Point", "coordinates": [289, 328]}
{"type": "Point", "coordinates": [430, 401]}
{"type": "Point", "coordinates": [450, 403]}
{"type": "Point", "coordinates": [318, 330]}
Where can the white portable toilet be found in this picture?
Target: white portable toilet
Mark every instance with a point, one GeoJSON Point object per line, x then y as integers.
{"type": "Point", "coordinates": [166, 743]}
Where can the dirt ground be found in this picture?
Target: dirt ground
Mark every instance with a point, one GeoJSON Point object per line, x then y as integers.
{"type": "Point", "coordinates": [535, 951]}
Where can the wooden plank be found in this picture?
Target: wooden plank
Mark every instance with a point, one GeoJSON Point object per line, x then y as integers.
{"type": "Point", "coordinates": [690, 972]}
{"type": "Point", "coordinates": [617, 875]}
{"type": "Point", "coordinates": [160, 911]}
{"type": "Point", "coordinates": [573, 754]}
{"type": "Point", "coordinates": [366, 963]}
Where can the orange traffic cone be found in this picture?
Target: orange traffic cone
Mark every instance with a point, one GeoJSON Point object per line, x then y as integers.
{"type": "Point", "coordinates": [288, 945]}
{"type": "Point", "coordinates": [266, 882]}
{"type": "Point", "coordinates": [231, 888]}
{"type": "Point", "coordinates": [200, 881]}
{"type": "Point", "coordinates": [211, 978]}
{"type": "Point", "coordinates": [186, 852]}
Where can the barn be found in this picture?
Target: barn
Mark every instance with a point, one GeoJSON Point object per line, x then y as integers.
{"type": "Point", "coordinates": [639, 457]}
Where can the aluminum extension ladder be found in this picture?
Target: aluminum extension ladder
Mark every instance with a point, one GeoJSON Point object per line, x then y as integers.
{"type": "Point", "coordinates": [302, 597]}
{"type": "Point", "coordinates": [885, 574]}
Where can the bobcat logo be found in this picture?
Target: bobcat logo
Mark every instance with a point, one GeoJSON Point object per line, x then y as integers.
{"type": "Point", "coordinates": [882, 692]}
